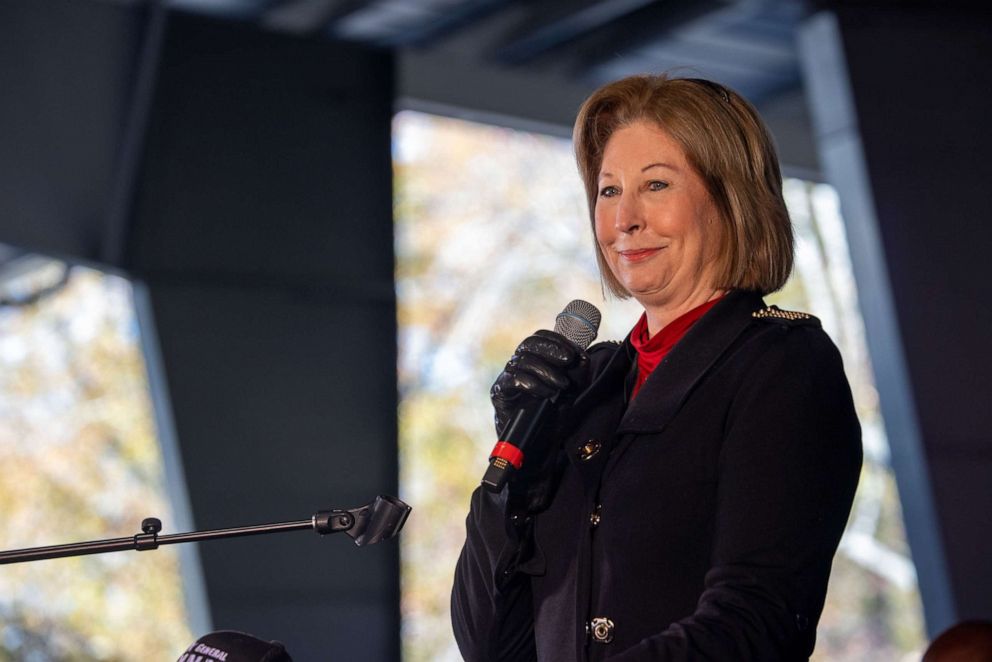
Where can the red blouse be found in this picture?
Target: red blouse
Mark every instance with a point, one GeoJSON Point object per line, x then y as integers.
{"type": "Point", "coordinates": [650, 352]}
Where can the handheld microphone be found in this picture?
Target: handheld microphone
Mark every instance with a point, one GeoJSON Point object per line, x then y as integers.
{"type": "Point", "coordinates": [578, 323]}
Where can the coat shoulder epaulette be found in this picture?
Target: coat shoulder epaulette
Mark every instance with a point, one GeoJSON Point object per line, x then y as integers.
{"type": "Point", "coordinates": [776, 315]}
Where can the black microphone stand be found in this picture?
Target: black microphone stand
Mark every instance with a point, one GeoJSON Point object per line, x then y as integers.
{"type": "Point", "coordinates": [366, 525]}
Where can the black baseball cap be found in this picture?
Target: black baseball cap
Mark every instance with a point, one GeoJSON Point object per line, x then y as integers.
{"type": "Point", "coordinates": [233, 646]}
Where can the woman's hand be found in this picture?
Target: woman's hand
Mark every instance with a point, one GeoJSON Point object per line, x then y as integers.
{"type": "Point", "coordinates": [545, 365]}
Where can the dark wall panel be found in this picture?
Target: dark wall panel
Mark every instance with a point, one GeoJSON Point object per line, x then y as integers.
{"type": "Point", "coordinates": [284, 403]}
{"type": "Point", "coordinates": [261, 224]}
{"type": "Point", "coordinates": [244, 178]}
{"type": "Point", "coordinates": [266, 137]}
{"type": "Point", "coordinates": [924, 97]}
{"type": "Point", "coordinates": [66, 77]}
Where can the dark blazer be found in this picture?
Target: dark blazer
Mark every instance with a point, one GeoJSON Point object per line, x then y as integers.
{"type": "Point", "coordinates": [696, 523]}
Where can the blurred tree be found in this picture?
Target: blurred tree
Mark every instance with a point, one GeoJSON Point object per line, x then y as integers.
{"type": "Point", "coordinates": [81, 462]}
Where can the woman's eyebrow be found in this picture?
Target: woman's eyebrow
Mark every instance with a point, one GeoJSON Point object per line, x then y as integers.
{"type": "Point", "coordinates": [606, 173]}
{"type": "Point", "coordinates": [660, 165]}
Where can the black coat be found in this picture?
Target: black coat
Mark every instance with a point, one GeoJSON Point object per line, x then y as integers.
{"type": "Point", "coordinates": [696, 523]}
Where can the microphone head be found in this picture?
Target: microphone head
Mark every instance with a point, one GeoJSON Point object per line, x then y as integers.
{"type": "Point", "coordinates": [579, 322]}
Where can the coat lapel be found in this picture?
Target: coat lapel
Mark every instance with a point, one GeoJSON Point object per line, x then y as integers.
{"type": "Point", "coordinates": [667, 388]}
{"type": "Point", "coordinates": [610, 377]}
{"type": "Point", "coordinates": [597, 412]}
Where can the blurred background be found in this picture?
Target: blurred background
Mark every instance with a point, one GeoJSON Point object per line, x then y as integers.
{"type": "Point", "coordinates": [264, 257]}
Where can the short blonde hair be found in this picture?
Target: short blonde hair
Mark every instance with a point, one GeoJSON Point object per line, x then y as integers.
{"type": "Point", "coordinates": [728, 146]}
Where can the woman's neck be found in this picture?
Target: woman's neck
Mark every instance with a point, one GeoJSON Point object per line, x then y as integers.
{"type": "Point", "coordinates": [661, 315]}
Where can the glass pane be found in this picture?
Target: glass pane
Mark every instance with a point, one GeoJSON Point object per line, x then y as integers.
{"type": "Point", "coordinates": [80, 462]}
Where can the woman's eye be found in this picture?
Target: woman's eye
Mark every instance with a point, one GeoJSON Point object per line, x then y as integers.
{"type": "Point", "coordinates": [608, 191]}
{"type": "Point", "coordinates": [655, 185]}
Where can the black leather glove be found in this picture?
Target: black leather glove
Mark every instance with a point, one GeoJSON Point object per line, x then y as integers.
{"type": "Point", "coordinates": [545, 365]}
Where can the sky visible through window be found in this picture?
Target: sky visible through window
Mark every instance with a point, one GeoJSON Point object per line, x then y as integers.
{"type": "Point", "coordinates": [492, 240]}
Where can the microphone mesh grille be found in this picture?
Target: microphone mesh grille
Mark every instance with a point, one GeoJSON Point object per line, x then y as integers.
{"type": "Point", "coordinates": [579, 322]}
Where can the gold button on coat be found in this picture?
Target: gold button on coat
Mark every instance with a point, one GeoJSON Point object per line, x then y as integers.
{"type": "Point", "coordinates": [589, 449]}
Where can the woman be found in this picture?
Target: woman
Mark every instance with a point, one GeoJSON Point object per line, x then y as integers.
{"type": "Point", "coordinates": [696, 480]}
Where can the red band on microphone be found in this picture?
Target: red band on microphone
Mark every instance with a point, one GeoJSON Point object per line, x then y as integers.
{"type": "Point", "coordinates": [508, 452]}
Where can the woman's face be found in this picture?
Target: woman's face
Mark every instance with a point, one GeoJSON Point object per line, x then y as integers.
{"type": "Point", "coordinates": [655, 221]}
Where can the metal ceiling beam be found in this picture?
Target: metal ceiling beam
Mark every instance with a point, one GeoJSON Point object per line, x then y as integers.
{"type": "Point", "coordinates": [401, 23]}
{"type": "Point", "coordinates": [553, 23]}
{"type": "Point", "coordinates": [577, 53]}
{"type": "Point", "coordinates": [465, 14]}
{"type": "Point", "coordinates": [626, 36]}
{"type": "Point", "coordinates": [308, 16]}
{"type": "Point", "coordinates": [229, 9]}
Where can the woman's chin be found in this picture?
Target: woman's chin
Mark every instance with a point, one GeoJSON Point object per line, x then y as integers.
{"type": "Point", "coordinates": [642, 283]}
{"type": "Point", "coordinates": [647, 295]}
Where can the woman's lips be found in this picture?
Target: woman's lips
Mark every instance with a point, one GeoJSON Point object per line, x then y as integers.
{"type": "Point", "coordinates": [638, 254]}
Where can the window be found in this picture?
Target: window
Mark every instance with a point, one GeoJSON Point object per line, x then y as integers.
{"type": "Point", "coordinates": [80, 462]}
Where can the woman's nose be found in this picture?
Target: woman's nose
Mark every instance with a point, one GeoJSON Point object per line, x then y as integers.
{"type": "Point", "coordinates": [628, 217]}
